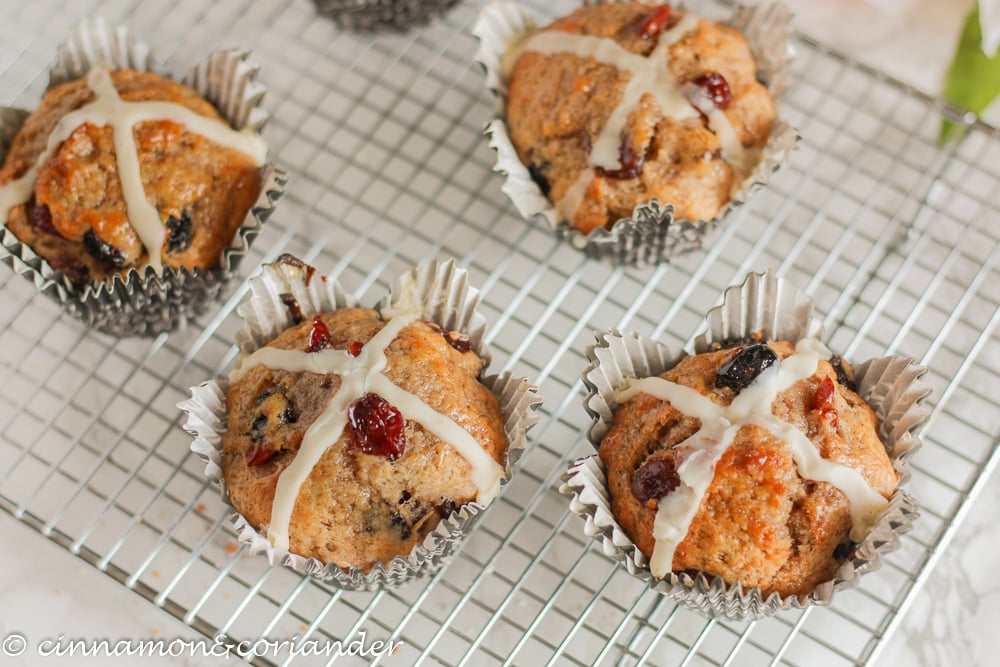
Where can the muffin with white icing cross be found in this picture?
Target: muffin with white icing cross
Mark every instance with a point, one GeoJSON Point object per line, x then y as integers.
{"type": "Point", "coordinates": [352, 434]}
{"type": "Point", "coordinates": [758, 463]}
{"type": "Point", "coordinates": [360, 445]}
{"type": "Point", "coordinates": [126, 169]}
{"type": "Point", "coordinates": [622, 103]}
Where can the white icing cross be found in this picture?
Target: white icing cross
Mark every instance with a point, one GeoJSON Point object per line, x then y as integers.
{"type": "Point", "coordinates": [109, 109]}
{"type": "Point", "coordinates": [719, 425]}
{"type": "Point", "coordinates": [359, 376]}
{"type": "Point", "coordinates": [649, 76]}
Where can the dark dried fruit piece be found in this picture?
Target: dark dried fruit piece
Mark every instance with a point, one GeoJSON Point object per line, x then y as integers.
{"type": "Point", "coordinates": [102, 251]}
{"type": "Point", "coordinates": [630, 162]}
{"type": "Point", "coordinates": [294, 309]}
{"type": "Point", "coordinates": [655, 479]}
{"type": "Point", "coordinates": [457, 340]}
{"type": "Point", "coordinates": [654, 22]}
{"type": "Point", "coordinates": [180, 233]}
{"type": "Point", "coordinates": [743, 367]}
{"type": "Point", "coordinates": [715, 86]}
{"type": "Point", "coordinates": [446, 508]}
{"type": "Point", "coordinates": [377, 426]}
{"type": "Point", "coordinates": [404, 497]}
{"type": "Point", "coordinates": [41, 217]}
{"type": "Point", "coordinates": [842, 376]}
{"type": "Point", "coordinates": [354, 349]}
{"type": "Point", "coordinates": [401, 526]}
{"type": "Point", "coordinates": [319, 336]}
{"type": "Point", "coordinates": [538, 176]}
{"type": "Point", "coordinates": [823, 401]}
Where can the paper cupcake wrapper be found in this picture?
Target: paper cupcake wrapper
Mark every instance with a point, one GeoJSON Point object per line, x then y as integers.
{"type": "Point", "coordinates": [378, 15]}
{"type": "Point", "coordinates": [652, 234]}
{"type": "Point", "coordinates": [449, 301]}
{"type": "Point", "coordinates": [777, 310]}
{"type": "Point", "coordinates": [142, 303]}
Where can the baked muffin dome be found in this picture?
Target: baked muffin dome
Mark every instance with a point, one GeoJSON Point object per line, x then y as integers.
{"type": "Point", "coordinates": [763, 468]}
{"type": "Point", "coordinates": [92, 213]}
{"type": "Point", "coordinates": [621, 103]}
{"type": "Point", "coordinates": [380, 485]}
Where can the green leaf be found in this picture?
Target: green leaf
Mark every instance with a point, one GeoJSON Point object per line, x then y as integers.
{"type": "Point", "coordinates": [974, 78]}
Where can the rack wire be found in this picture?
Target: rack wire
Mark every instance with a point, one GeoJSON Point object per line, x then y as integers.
{"type": "Point", "coordinates": [895, 237]}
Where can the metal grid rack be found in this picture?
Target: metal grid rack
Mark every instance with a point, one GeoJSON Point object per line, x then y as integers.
{"type": "Point", "coordinates": [895, 237]}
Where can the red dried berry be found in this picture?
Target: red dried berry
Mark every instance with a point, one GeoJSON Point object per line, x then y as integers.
{"type": "Point", "coordinates": [258, 455]}
{"type": "Point", "coordinates": [354, 349]}
{"type": "Point", "coordinates": [41, 217]}
{"type": "Point", "coordinates": [823, 401]}
{"type": "Point", "coordinates": [654, 22]}
{"type": "Point", "coordinates": [377, 426]}
{"type": "Point", "coordinates": [319, 337]}
{"type": "Point", "coordinates": [457, 340]}
{"type": "Point", "coordinates": [716, 88]}
{"type": "Point", "coordinates": [655, 479]}
{"type": "Point", "coordinates": [630, 163]}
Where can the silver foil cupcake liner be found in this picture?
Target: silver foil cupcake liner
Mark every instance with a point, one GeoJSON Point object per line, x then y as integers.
{"type": "Point", "coordinates": [652, 234]}
{"type": "Point", "coordinates": [448, 300]}
{"type": "Point", "coordinates": [775, 309]}
{"type": "Point", "coordinates": [142, 303]}
{"type": "Point", "coordinates": [382, 15]}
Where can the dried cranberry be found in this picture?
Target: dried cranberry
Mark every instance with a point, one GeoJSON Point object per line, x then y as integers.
{"type": "Point", "coordinates": [292, 260]}
{"type": "Point", "coordinates": [741, 370]}
{"type": "Point", "coordinates": [180, 233]}
{"type": "Point", "coordinates": [41, 217]}
{"type": "Point", "coordinates": [294, 309]}
{"type": "Point", "coordinates": [377, 426]}
{"type": "Point", "coordinates": [823, 401]}
{"type": "Point", "coordinates": [654, 22]}
{"type": "Point", "coordinates": [102, 251]}
{"type": "Point", "coordinates": [630, 162]}
{"type": "Point", "coordinates": [457, 340]}
{"type": "Point", "coordinates": [538, 176]}
{"type": "Point", "coordinates": [319, 336]}
{"type": "Point", "coordinates": [258, 455]}
{"type": "Point", "coordinates": [655, 479]}
{"type": "Point", "coordinates": [716, 88]}
{"type": "Point", "coordinates": [354, 349]}
{"type": "Point", "coordinates": [842, 377]}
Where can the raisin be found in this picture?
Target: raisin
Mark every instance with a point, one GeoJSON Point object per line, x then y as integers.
{"type": "Point", "coordinates": [630, 162]}
{"type": "Point", "coordinates": [180, 233]}
{"type": "Point", "coordinates": [457, 340]}
{"type": "Point", "coordinates": [258, 455]}
{"type": "Point", "coordinates": [823, 401]}
{"type": "Point", "coordinates": [715, 86]}
{"type": "Point", "coordinates": [292, 260]}
{"type": "Point", "coordinates": [538, 176]}
{"type": "Point", "coordinates": [741, 370]}
{"type": "Point", "coordinates": [354, 349]}
{"type": "Point", "coordinates": [653, 23]}
{"type": "Point", "coordinates": [294, 309]}
{"type": "Point", "coordinates": [41, 217]}
{"type": "Point", "coordinates": [655, 479]}
{"type": "Point", "coordinates": [400, 524]}
{"type": "Point", "coordinates": [446, 508]}
{"type": "Point", "coordinates": [404, 497]}
{"type": "Point", "coordinates": [102, 251]}
{"type": "Point", "coordinates": [377, 426]}
{"type": "Point", "coordinates": [319, 335]}
{"type": "Point", "coordinates": [842, 376]}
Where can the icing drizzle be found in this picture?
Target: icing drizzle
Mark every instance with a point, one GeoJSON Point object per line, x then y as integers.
{"type": "Point", "coordinates": [719, 425]}
{"type": "Point", "coordinates": [359, 376]}
{"type": "Point", "coordinates": [649, 76]}
{"type": "Point", "coordinates": [110, 110]}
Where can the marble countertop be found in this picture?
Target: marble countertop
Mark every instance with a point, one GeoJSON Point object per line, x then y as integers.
{"type": "Point", "coordinates": [47, 592]}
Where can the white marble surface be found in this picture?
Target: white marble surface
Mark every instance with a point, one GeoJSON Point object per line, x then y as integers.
{"type": "Point", "coordinates": [46, 592]}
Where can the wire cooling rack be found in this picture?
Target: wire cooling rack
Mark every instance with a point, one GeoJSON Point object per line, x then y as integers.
{"type": "Point", "coordinates": [895, 238]}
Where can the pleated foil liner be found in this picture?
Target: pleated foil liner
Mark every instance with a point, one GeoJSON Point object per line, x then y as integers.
{"type": "Point", "coordinates": [382, 15]}
{"type": "Point", "coordinates": [652, 234]}
{"type": "Point", "coordinates": [142, 303]}
{"type": "Point", "coordinates": [449, 301]}
{"type": "Point", "coordinates": [775, 308]}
